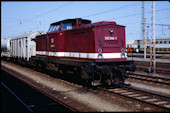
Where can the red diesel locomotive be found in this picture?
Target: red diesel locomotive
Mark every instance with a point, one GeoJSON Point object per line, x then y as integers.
{"type": "Point", "coordinates": [96, 52]}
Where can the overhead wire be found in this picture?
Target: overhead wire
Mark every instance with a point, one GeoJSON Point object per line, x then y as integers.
{"type": "Point", "coordinates": [136, 14]}
{"type": "Point", "coordinates": [49, 11]}
{"type": "Point", "coordinates": [56, 8]}
{"type": "Point", "coordinates": [135, 4]}
{"type": "Point", "coordinates": [95, 13]}
{"type": "Point", "coordinates": [140, 14]}
{"type": "Point", "coordinates": [99, 13]}
{"type": "Point", "coordinates": [23, 22]}
{"type": "Point", "coordinates": [45, 13]}
{"type": "Point", "coordinates": [103, 12]}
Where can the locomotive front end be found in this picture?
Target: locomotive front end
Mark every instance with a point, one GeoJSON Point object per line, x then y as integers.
{"type": "Point", "coordinates": [110, 66]}
{"type": "Point", "coordinates": [110, 42]}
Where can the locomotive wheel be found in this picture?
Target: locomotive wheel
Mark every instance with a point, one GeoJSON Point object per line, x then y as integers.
{"type": "Point", "coordinates": [118, 76]}
{"type": "Point", "coordinates": [93, 78]}
{"type": "Point", "coordinates": [84, 74]}
{"type": "Point", "coordinates": [96, 78]}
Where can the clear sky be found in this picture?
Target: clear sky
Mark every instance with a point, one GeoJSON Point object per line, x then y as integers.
{"type": "Point", "coordinates": [22, 17]}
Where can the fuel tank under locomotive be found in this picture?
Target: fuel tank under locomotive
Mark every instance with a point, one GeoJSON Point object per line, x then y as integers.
{"type": "Point", "coordinates": [106, 73]}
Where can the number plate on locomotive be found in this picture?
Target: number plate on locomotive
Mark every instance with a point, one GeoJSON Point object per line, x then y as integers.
{"type": "Point", "coordinates": [110, 38]}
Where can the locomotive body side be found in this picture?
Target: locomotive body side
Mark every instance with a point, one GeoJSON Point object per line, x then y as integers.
{"type": "Point", "coordinates": [92, 43]}
{"type": "Point", "coordinates": [80, 44]}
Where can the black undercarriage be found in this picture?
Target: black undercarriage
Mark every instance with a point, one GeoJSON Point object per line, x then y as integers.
{"type": "Point", "coordinates": [94, 73]}
{"type": "Point", "coordinates": [91, 73]}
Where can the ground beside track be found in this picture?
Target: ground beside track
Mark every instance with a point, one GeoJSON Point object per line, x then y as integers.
{"type": "Point", "coordinates": [148, 59]}
{"type": "Point", "coordinates": [161, 63]}
{"type": "Point", "coordinates": [157, 88]}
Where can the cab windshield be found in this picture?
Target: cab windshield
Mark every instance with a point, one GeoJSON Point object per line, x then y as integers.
{"type": "Point", "coordinates": [53, 28]}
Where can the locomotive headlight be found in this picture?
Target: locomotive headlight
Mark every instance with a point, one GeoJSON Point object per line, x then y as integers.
{"type": "Point", "coordinates": [123, 53]}
{"type": "Point", "coordinates": [111, 30]}
{"type": "Point", "coordinates": [100, 53]}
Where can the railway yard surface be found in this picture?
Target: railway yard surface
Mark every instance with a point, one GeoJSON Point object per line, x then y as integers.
{"type": "Point", "coordinates": [148, 60]}
{"type": "Point", "coordinates": [86, 101]}
{"type": "Point", "coordinates": [78, 98]}
{"type": "Point", "coordinates": [163, 58]}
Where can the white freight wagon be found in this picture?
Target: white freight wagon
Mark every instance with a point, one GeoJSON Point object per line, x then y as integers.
{"type": "Point", "coordinates": [24, 46]}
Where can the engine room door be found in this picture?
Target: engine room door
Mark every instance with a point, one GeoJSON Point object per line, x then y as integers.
{"type": "Point", "coordinates": [53, 42]}
{"type": "Point", "coordinates": [60, 41]}
{"type": "Point", "coordinates": [47, 45]}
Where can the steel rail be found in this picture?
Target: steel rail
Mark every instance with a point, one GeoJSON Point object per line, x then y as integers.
{"type": "Point", "coordinates": [44, 92]}
{"type": "Point", "coordinates": [145, 91]}
{"type": "Point", "coordinates": [161, 80]}
{"type": "Point", "coordinates": [17, 97]}
{"type": "Point", "coordinates": [158, 69]}
{"type": "Point", "coordinates": [138, 92]}
{"type": "Point", "coordinates": [153, 76]}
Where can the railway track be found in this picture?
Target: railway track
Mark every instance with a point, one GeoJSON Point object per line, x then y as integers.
{"type": "Point", "coordinates": [158, 70]}
{"type": "Point", "coordinates": [161, 67]}
{"type": "Point", "coordinates": [58, 100]}
{"type": "Point", "coordinates": [161, 102]}
{"type": "Point", "coordinates": [154, 99]}
{"type": "Point", "coordinates": [24, 106]}
{"type": "Point", "coordinates": [155, 79]}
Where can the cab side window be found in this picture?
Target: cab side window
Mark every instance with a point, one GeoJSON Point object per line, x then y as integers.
{"type": "Point", "coordinates": [66, 26]}
{"type": "Point", "coordinates": [56, 28]}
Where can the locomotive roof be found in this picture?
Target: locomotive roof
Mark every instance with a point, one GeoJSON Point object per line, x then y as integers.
{"type": "Point", "coordinates": [69, 20]}
{"type": "Point", "coordinates": [87, 21]}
